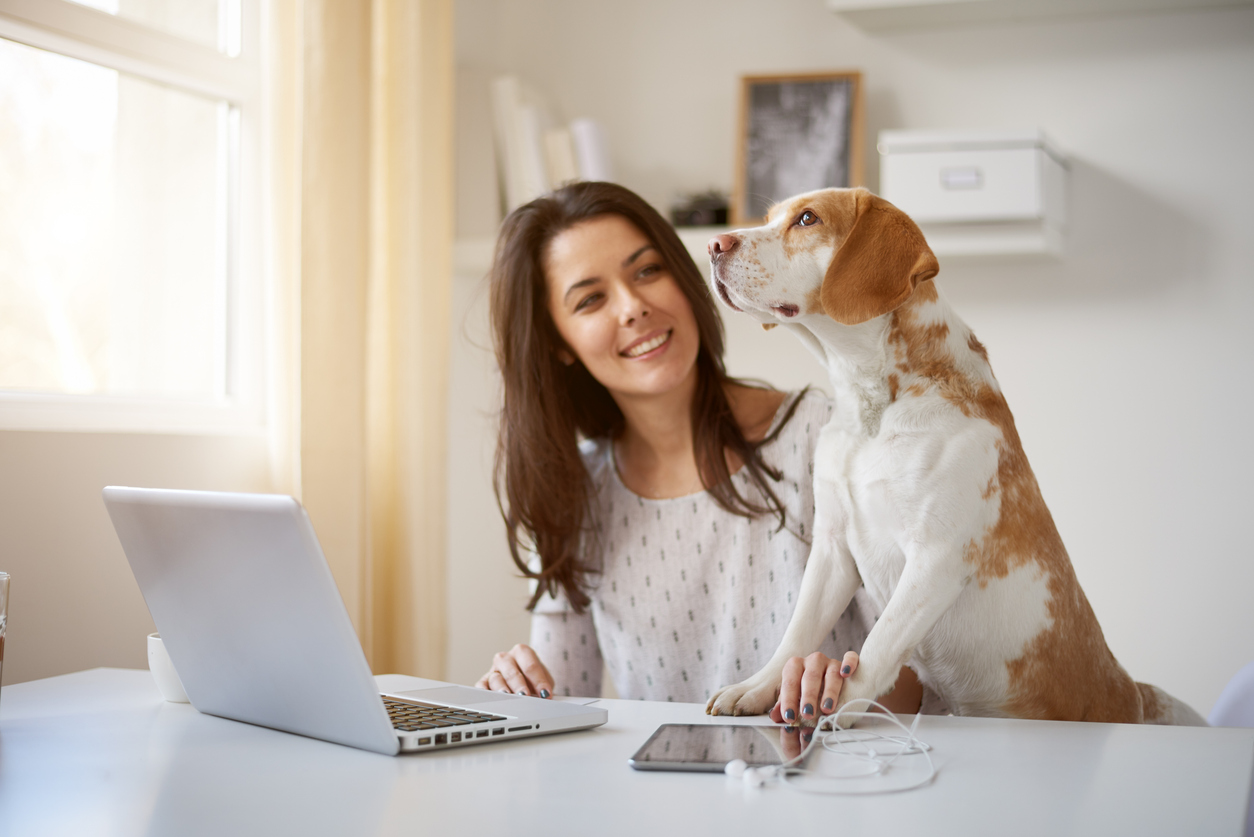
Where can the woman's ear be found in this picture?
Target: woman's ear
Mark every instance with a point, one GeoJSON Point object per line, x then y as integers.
{"type": "Point", "coordinates": [879, 264]}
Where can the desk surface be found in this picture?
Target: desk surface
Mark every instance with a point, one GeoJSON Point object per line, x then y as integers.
{"type": "Point", "coordinates": [99, 752]}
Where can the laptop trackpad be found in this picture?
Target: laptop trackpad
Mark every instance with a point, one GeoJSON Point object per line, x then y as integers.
{"type": "Point", "coordinates": [457, 695]}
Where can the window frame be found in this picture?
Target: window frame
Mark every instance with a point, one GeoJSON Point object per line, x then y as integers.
{"type": "Point", "coordinates": [126, 46]}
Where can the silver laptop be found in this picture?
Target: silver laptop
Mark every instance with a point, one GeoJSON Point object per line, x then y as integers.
{"type": "Point", "coordinates": [246, 605]}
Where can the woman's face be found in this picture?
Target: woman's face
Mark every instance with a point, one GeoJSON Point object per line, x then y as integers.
{"type": "Point", "coordinates": [619, 309]}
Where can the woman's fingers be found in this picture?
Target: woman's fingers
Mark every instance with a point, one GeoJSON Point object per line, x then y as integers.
{"type": "Point", "coordinates": [537, 674]}
{"type": "Point", "coordinates": [512, 673]}
{"type": "Point", "coordinates": [802, 685]}
{"type": "Point", "coordinates": [518, 671]}
{"type": "Point", "coordinates": [850, 664]}
{"type": "Point", "coordinates": [811, 686]}
{"type": "Point", "coordinates": [834, 680]}
{"type": "Point", "coordinates": [497, 683]}
{"type": "Point", "coordinates": [485, 682]}
{"type": "Point", "coordinates": [790, 689]}
{"type": "Point", "coordinates": [816, 666]}
{"type": "Point", "coordinates": [832, 684]}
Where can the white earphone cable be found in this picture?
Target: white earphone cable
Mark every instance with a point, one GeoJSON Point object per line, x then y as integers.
{"type": "Point", "coordinates": [855, 745]}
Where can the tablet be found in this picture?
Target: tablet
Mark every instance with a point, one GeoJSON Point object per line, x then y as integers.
{"type": "Point", "coordinates": [708, 747]}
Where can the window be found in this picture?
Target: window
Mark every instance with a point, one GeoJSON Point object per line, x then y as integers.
{"type": "Point", "coordinates": [130, 290]}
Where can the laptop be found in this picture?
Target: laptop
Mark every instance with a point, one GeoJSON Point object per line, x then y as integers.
{"type": "Point", "coordinates": [245, 603]}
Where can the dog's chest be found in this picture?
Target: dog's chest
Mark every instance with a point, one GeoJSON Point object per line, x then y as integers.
{"type": "Point", "coordinates": [856, 489]}
{"type": "Point", "coordinates": [925, 470]}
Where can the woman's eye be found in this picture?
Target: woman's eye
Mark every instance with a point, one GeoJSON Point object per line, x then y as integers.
{"type": "Point", "coordinates": [586, 301]}
{"type": "Point", "coordinates": [807, 219]}
{"type": "Point", "coordinates": [649, 270]}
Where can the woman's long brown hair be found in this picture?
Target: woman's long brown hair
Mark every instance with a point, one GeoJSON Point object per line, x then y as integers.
{"type": "Point", "coordinates": [542, 487]}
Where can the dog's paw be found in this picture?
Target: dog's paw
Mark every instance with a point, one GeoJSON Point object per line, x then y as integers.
{"type": "Point", "coordinates": [747, 698]}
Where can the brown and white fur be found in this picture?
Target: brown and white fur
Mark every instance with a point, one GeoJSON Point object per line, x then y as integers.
{"type": "Point", "coordinates": [922, 490]}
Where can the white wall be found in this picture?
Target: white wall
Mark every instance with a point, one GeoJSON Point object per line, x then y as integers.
{"type": "Point", "coordinates": [73, 602]}
{"type": "Point", "coordinates": [1125, 362]}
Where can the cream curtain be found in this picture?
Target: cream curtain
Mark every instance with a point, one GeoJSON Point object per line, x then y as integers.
{"type": "Point", "coordinates": [361, 231]}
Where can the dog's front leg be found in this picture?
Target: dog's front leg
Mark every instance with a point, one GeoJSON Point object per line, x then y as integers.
{"type": "Point", "coordinates": [827, 586]}
{"type": "Point", "coordinates": [929, 586]}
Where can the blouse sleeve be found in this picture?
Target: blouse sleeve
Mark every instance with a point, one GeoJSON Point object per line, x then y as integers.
{"type": "Point", "coordinates": [566, 642]}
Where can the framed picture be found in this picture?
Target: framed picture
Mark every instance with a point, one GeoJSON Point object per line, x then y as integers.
{"type": "Point", "coordinates": [797, 133]}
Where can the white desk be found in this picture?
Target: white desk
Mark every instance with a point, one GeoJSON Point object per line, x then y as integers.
{"type": "Point", "coordinates": [98, 752]}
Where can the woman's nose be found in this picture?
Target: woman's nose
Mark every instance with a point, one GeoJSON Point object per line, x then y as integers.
{"type": "Point", "coordinates": [722, 244]}
{"type": "Point", "coordinates": [631, 306]}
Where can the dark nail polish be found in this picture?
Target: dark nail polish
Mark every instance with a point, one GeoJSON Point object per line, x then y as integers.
{"type": "Point", "coordinates": [846, 670]}
{"type": "Point", "coordinates": [807, 736]}
{"type": "Point", "coordinates": [827, 705]}
{"type": "Point", "coordinates": [808, 709]}
{"type": "Point", "coordinates": [789, 715]}
{"type": "Point", "coordinates": [544, 693]}
{"type": "Point", "coordinates": [522, 692]}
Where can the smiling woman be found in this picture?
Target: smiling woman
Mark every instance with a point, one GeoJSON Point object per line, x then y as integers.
{"type": "Point", "coordinates": [562, 279]}
{"type": "Point", "coordinates": [661, 506]}
{"type": "Point", "coordinates": [624, 317]}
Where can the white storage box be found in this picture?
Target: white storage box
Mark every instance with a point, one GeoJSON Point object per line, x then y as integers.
{"type": "Point", "coordinates": [977, 193]}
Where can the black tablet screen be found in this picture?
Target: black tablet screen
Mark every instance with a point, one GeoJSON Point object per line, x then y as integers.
{"type": "Point", "coordinates": [708, 747]}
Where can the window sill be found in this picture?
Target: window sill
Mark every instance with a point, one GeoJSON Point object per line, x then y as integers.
{"type": "Point", "coordinates": [53, 412]}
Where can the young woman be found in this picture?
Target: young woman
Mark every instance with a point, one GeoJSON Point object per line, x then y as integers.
{"type": "Point", "coordinates": [662, 507]}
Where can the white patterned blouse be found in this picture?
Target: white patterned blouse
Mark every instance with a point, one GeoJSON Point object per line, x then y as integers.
{"type": "Point", "coordinates": [690, 597]}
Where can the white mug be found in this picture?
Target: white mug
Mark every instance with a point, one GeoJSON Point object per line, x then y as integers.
{"type": "Point", "coordinates": [163, 671]}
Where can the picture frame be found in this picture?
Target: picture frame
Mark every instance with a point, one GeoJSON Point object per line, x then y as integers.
{"type": "Point", "coordinates": [798, 132]}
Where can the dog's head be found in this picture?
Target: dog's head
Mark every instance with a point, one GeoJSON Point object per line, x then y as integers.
{"type": "Point", "coordinates": [843, 253]}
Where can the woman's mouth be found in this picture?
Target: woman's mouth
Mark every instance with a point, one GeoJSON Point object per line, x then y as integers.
{"type": "Point", "coordinates": [647, 345]}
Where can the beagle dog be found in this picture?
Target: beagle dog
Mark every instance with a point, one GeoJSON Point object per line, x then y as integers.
{"type": "Point", "coordinates": [922, 490]}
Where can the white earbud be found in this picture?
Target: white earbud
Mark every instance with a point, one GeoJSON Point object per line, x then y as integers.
{"type": "Point", "coordinates": [754, 778]}
{"type": "Point", "coordinates": [735, 768]}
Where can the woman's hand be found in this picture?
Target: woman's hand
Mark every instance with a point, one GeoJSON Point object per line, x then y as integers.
{"type": "Point", "coordinates": [518, 671]}
{"type": "Point", "coordinates": [811, 685]}
{"type": "Point", "coordinates": [806, 679]}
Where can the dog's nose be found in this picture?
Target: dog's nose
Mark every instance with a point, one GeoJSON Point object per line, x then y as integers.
{"type": "Point", "coordinates": [722, 244]}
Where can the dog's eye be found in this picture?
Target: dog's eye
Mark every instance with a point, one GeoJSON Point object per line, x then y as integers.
{"type": "Point", "coordinates": [807, 219]}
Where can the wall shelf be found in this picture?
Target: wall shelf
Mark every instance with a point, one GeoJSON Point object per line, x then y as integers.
{"type": "Point", "coordinates": [887, 15]}
{"type": "Point", "coordinates": [981, 193]}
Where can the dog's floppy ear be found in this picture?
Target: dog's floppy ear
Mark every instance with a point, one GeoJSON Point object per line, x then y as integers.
{"type": "Point", "coordinates": [879, 264]}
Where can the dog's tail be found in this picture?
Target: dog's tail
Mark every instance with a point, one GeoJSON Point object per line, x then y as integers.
{"type": "Point", "coordinates": [1158, 707]}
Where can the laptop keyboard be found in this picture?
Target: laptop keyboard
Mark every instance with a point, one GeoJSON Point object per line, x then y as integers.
{"type": "Point", "coordinates": [415, 715]}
